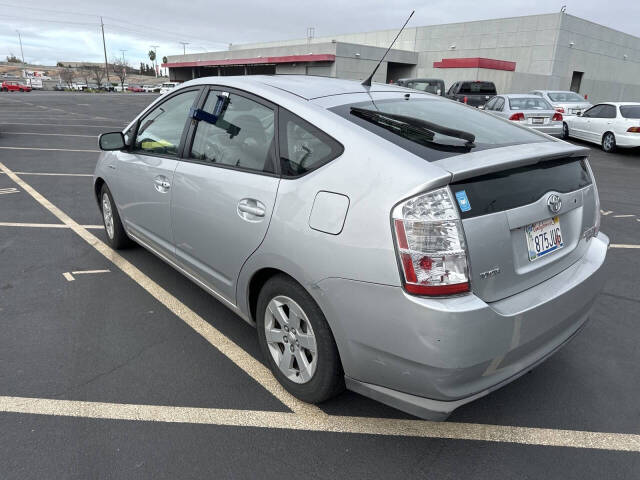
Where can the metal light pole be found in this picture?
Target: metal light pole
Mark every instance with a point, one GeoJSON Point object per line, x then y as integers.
{"type": "Point", "coordinates": [21, 52]}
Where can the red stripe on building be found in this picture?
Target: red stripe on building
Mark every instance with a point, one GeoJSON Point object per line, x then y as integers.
{"type": "Point", "coordinates": [321, 57]}
{"type": "Point", "coordinates": [475, 62]}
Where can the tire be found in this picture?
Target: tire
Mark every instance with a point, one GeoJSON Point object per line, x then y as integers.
{"type": "Point", "coordinates": [565, 131]}
{"type": "Point", "coordinates": [116, 236]}
{"type": "Point", "coordinates": [609, 142]}
{"type": "Point", "coordinates": [322, 377]}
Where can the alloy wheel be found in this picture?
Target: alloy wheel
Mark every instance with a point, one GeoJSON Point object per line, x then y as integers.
{"type": "Point", "coordinates": [107, 214]}
{"type": "Point", "coordinates": [290, 339]}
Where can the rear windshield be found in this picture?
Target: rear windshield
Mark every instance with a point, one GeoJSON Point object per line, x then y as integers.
{"type": "Point", "coordinates": [532, 103]}
{"type": "Point", "coordinates": [515, 187]}
{"type": "Point", "coordinates": [489, 131]}
{"type": "Point", "coordinates": [630, 111]}
{"type": "Point", "coordinates": [479, 88]}
{"type": "Point", "coordinates": [429, 86]}
{"type": "Point", "coordinates": [565, 97]}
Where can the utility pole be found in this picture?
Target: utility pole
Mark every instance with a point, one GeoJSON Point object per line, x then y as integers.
{"type": "Point", "coordinates": [21, 52]}
{"type": "Point", "coordinates": [155, 59]}
{"type": "Point", "coordinates": [123, 55]}
{"type": "Point", "coordinates": [104, 46]}
{"type": "Point", "coordinates": [184, 47]}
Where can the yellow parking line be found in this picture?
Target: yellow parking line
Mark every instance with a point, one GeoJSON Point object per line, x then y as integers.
{"type": "Point", "coordinates": [46, 225]}
{"type": "Point", "coordinates": [225, 345]}
{"type": "Point", "coordinates": [329, 423]}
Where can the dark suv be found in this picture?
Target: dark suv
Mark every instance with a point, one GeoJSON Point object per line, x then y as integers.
{"type": "Point", "coordinates": [475, 92]}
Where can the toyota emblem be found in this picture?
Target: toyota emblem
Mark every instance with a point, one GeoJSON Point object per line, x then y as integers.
{"type": "Point", "coordinates": [554, 203]}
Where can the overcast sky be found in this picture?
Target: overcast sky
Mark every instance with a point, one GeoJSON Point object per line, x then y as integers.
{"type": "Point", "coordinates": [70, 31]}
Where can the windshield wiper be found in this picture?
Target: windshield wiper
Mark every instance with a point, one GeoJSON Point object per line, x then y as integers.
{"type": "Point", "coordinates": [407, 126]}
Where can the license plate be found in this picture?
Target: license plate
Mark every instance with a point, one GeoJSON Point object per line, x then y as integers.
{"type": "Point", "coordinates": [543, 238]}
{"type": "Point", "coordinates": [537, 121]}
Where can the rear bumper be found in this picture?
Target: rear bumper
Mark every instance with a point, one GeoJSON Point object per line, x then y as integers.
{"type": "Point", "coordinates": [429, 356]}
{"type": "Point", "coordinates": [553, 130]}
{"type": "Point", "coordinates": [628, 141]}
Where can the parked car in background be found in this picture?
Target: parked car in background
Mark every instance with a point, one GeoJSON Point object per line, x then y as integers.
{"type": "Point", "coordinates": [150, 88]}
{"type": "Point", "coordinates": [528, 110]}
{"type": "Point", "coordinates": [428, 85]}
{"type": "Point", "coordinates": [611, 125]}
{"type": "Point", "coordinates": [119, 87]}
{"type": "Point", "coordinates": [79, 87]}
{"type": "Point", "coordinates": [418, 251]}
{"type": "Point", "coordinates": [135, 88]}
{"type": "Point", "coordinates": [11, 86]}
{"type": "Point", "coordinates": [168, 86]}
{"type": "Point", "coordinates": [475, 93]}
{"type": "Point", "coordinates": [565, 102]}
{"type": "Point", "coordinates": [59, 87]}
{"type": "Point", "coordinates": [107, 87]}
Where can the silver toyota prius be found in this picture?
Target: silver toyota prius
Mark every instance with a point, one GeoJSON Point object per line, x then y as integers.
{"type": "Point", "coordinates": [393, 242]}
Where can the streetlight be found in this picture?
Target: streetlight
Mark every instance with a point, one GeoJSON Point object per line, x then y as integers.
{"type": "Point", "coordinates": [21, 52]}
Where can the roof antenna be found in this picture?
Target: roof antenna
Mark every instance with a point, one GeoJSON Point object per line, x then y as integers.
{"type": "Point", "coordinates": [367, 82]}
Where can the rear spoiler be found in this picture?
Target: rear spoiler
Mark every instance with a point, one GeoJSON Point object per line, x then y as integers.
{"type": "Point", "coordinates": [491, 160]}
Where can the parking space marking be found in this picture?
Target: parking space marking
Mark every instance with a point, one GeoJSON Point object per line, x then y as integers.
{"type": "Point", "coordinates": [252, 367]}
{"type": "Point", "coordinates": [6, 191]}
{"type": "Point", "coordinates": [49, 149]}
{"type": "Point", "coordinates": [53, 174]}
{"type": "Point", "coordinates": [64, 125]}
{"type": "Point", "coordinates": [46, 225]}
{"type": "Point", "coordinates": [623, 245]}
{"type": "Point", "coordinates": [70, 275]}
{"type": "Point", "coordinates": [48, 134]}
{"type": "Point", "coordinates": [625, 442]}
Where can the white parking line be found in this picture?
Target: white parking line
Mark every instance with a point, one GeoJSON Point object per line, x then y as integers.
{"type": "Point", "coordinates": [70, 275]}
{"type": "Point", "coordinates": [65, 125]}
{"type": "Point", "coordinates": [329, 423]}
{"type": "Point", "coordinates": [50, 149]}
{"type": "Point", "coordinates": [225, 345]}
{"type": "Point", "coordinates": [47, 225]}
{"type": "Point", "coordinates": [48, 134]}
{"type": "Point", "coordinates": [623, 245]}
{"type": "Point", "coordinates": [53, 174]}
{"type": "Point", "coordinates": [6, 191]}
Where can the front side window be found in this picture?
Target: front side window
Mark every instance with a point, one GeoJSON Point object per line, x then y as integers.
{"type": "Point", "coordinates": [303, 147]}
{"type": "Point", "coordinates": [491, 103]}
{"type": "Point", "coordinates": [160, 130]}
{"type": "Point", "coordinates": [594, 112]}
{"type": "Point", "coordinates": [532, 103]}
{"type": "Point", "coordinates": [499, 104]}
{"type": "Point", "coordinates": [238, 132]}
{"type": "Point", "coordinates": [608, 111]}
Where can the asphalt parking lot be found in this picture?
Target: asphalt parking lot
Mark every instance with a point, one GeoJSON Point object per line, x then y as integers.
{"type": "Point", "coordinates": [113, 365]}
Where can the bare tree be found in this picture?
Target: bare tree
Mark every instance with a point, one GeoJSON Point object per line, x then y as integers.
{"type": "Point", "coordinates": [120, 69]}
{"type": "Point", "coordinates": [98, 74]}
{"type": "Point", "coordinates": [85, 74]}
{"type": "Point", "coordinates": [66, 75]}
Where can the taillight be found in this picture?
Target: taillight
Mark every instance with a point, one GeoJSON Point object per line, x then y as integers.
{"type": "Point", "coordinates": [557, 117]}
{"type": "Point", "coordinates": [559, 109]}
{"type": "Point", "coordinates": [596, 220]}
{"type": "Point", "coordinates": [517, 117]}
{"type": "Point", "coordinates": [633, 129]}
{"type": "Point", "coordinates": [465, 100]}
{"type": "Point", "coordinates": [430, 244]}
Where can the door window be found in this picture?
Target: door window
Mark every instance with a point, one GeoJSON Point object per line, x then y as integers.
{"type": "Point", "coordinates": [303, 147]}
{"type": "Point", "coordinates": [160, 130]}
{"type": "Point", "coordinates": [490, 104]}
{"type": "Point", "coordinates": [235, 131]}
{"type": "Point", "coordinates": [499, 104]}
{"type": "Point", "coordinates": [608, 111]}
{"type": "Point", "coordinates": [594, 112]}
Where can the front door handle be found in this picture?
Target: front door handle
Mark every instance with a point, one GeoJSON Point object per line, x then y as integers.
{"type": "Point", "coordinates": [251, 209]}
{"type": "Point", "coordinates": [161, 184]}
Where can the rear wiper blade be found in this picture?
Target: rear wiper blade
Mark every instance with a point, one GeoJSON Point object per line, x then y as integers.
{"type": "Point", "coordinates": [415, 125]}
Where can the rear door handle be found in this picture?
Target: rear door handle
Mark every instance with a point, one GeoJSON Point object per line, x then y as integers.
{"type": "Point", "coordinates": [161, 184]}
{"type": "Point", "coordinates": [251, 209]}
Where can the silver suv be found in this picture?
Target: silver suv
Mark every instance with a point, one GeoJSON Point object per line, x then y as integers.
{"type": "Point", "coordinates": [411, 248]}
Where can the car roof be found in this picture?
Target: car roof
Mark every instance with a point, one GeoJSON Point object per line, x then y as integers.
{"type": "Point", "coordinates": [518, 95]}
{"type": "Point", "coordinates": [304, 86]}
{"type": "Point", "coordinates": [619, 104]}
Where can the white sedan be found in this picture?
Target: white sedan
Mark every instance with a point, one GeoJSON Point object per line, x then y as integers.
{"type": "Point", "coordinates": [611, 124]}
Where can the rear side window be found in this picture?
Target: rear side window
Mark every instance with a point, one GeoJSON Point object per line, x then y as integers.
{"type": "Point", "coordinates": [239, 132]}
{"type": "Point", "coordinates": [478, 88]}
{"type": "Point", "coordinates": [161, 129]}
{"type": "Point", "coordinates": [630, 111]}
{"type": "Point", "coordinates": [303, 147]}
{"type": "Point", "coordinates": [533, 103]}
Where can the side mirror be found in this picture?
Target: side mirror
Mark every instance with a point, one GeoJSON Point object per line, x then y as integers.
{"type": "Point", "coordinates": [111, 141]}
{"type": "Point", "coordinates": [481, 107]}
{"type": "Point", "coordinates": [579, 114]}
